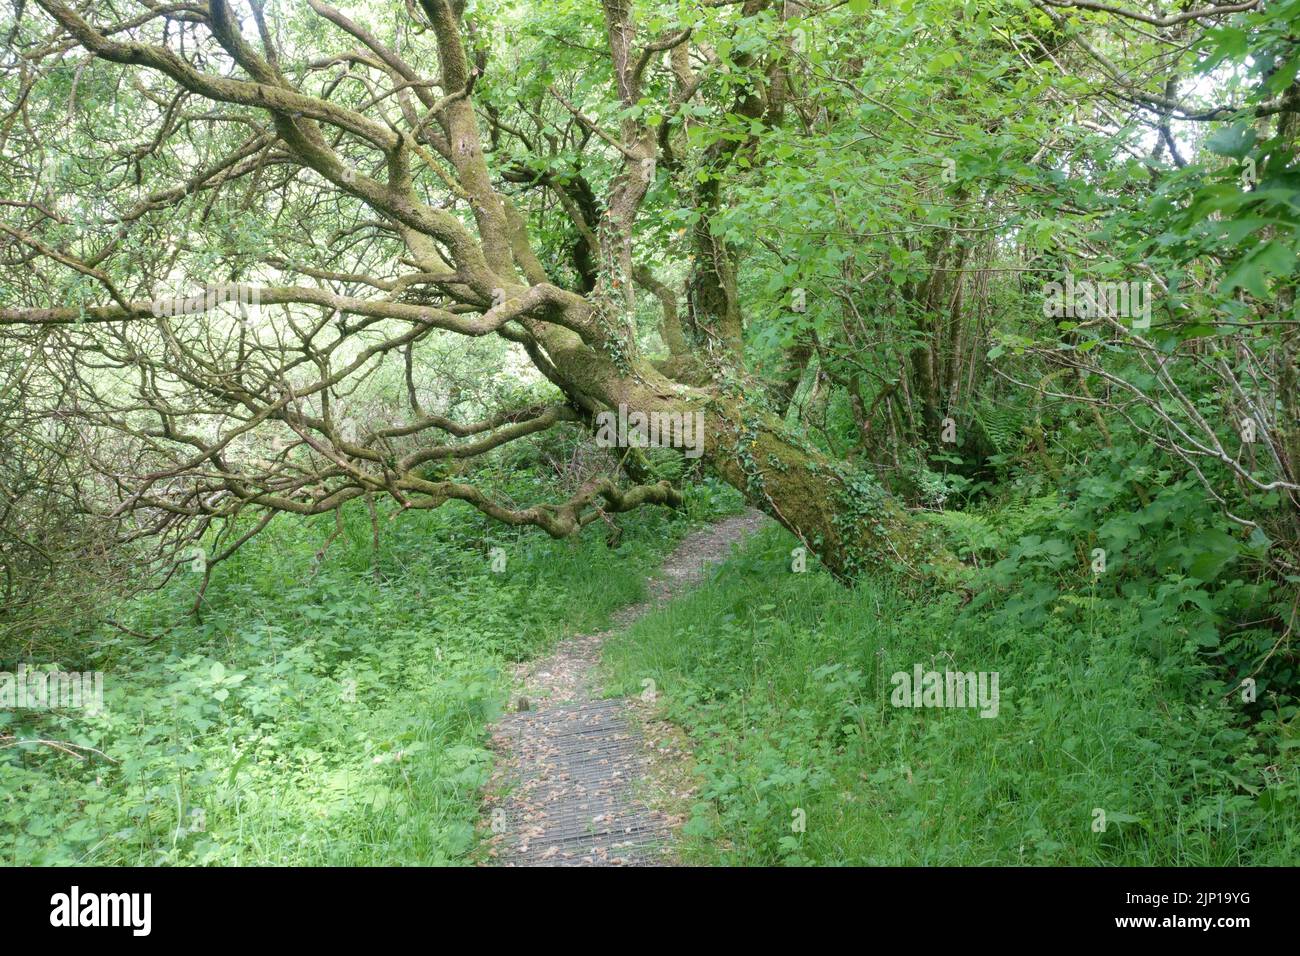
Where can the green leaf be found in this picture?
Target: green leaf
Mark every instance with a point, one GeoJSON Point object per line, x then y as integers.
{"type": "Point", "coordinates": [1234, 141]}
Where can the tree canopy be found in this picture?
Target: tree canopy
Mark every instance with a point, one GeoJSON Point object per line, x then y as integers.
{"type": "Point", "coordinates": [267, 258]}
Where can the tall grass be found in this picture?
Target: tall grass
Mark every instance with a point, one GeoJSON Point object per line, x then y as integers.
{"type": "Point", "coordinates": [783, 682]}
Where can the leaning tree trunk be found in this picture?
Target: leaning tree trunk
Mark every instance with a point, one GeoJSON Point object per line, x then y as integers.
{"type": "Point", "coordinates": [839, 512]}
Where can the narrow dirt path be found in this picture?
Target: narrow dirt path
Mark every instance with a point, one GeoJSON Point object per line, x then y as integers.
{"type": "Point", "coordinates": [564, 790]}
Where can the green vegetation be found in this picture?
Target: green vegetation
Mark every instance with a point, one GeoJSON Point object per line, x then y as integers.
{"type": "Point", "coordinates": [306, 309]}
{"type": "Point", "coordinates": [783, 682]}
{"type": "Point", "coordinates": [329, 713]}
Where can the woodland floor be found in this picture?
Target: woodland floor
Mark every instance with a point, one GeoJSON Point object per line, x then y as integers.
{"type": "Point", "coordinates": [570, 781]}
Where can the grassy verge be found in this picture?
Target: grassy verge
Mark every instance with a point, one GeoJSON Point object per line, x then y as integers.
{"type": "Point", "coordinates": [783, 682]}
{"type": "Point", "coordinates": [321, 713]}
